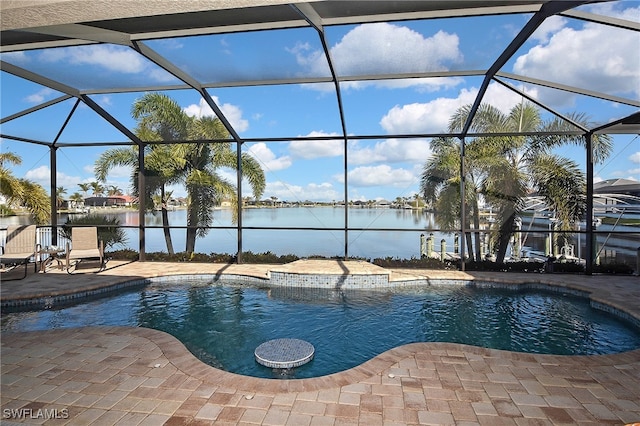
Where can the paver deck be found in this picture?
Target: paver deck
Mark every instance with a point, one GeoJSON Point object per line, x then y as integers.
{"type": "Point", "coordinates": [128, 376]}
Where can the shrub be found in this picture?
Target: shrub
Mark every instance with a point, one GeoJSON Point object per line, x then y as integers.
{"type": "Point", "coordinates": [387, 262]}
{"type": "Point", "coordinates": [6, 211]}
{"type": "Point", "coordinates": [126, 254]}
{"type": "Point", "coordinates": [109, 230]}
{"type": "Point", "coordinates": [613, 268]}
{"type": "Point", "coordinates": [424, 263]}
{"type": "Point", "coordinates": [267, 257]}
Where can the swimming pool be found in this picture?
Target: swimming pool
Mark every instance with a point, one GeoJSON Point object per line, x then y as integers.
{"type": "Point", "coordinates": [223, 324]}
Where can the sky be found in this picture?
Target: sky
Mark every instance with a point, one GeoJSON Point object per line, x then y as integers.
{"type": "Point", "coordinates": [563, 50]}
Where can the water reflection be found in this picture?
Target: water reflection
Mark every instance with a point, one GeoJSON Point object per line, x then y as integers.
{"type": "Point", "coordinates": [363, 241]}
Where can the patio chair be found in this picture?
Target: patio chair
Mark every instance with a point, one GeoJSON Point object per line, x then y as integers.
{"type": "Point", "coordinates": [19, 248]}
{"type": "Point", "coordinates": [84, 246]}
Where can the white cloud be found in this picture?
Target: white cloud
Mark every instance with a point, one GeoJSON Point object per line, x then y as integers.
{"type": "Point", "coordinates": [309, 58]}
{"type": "Point", "coordinates": [312, 191]}
{"type": "Point", "coordinates": [631, 174]}
{"type": "Point", "coordinates": [42, 173]}
{"type": "Point", "coordinates": [635, 157]}
{"type": "Point", "coordinates": [171, 44]}
{"type": "Point", "coordinates": [114, 58]}
{"type": "Point", "coordinates": [117, 172]}
{"type": "Point", "coordinates": [382, 175]}
{"type": "Point", "coordinates": [548, 27]}
{"type": "Point", "coordinates": [231, 176]}
{"type": "Point", "coordinates": [267, 158]}
{"type": "Point", "coordinates": [315, 149]}
{"type": "Point", "coordinates": [398, 49]}
{"type": "Point", "coordinates": [16, 57]}
{"type": "Point", "coordinates": [120, 172]}
{"type": "Point", "coordinates": [390, 151]}
{"type": "Point", "coordinates": [232, 113]}
{"type": "Point", "coordinates": [421, 85]}
{"type": "Point", "coordinates": [617, 10]}
{"type": "Point", "coordinates": [105, 100]}
{"type": "Point", "coordinates": [578, 57]}
{"type": "Point", "coordinates": [160, 75]}
{"type": "Point", "coordinates": [40, 96]}
{"type": "Point", "coordinates": [433, 116]}
{"type": "Point", "coordinates": [430, 117]}
{"type": "Point", "coordinates": [635, 174]}
{"type": "Point", "coordinates": [42, 176]}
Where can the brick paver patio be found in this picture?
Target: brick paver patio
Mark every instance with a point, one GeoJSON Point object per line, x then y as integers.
{"type": "Point", "coordinates": [128, 376]}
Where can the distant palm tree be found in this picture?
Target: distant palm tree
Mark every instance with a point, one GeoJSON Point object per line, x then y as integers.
{"type": "Point", "coordinates": [113, 191]}
{"type": "Point", "coordinates": [22, 191]}
{"type": "Point", "coordinates": [97, 188]}
{"type": "Point", "coordinates": [76, 198]}
{"type": "Point", "coordinates": [416, 199]}
{"type": "Point", "coordinates": [505, 169]}
{"type": "Point", "coordinates": [60, 193]}
{"type": "Point", "coordinates": [84, 187]}
{"type": "Point", "coordinates": [195, 164]}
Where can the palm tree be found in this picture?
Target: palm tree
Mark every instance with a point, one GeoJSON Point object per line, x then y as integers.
{"type": "Point", "coordinates": [194, 164]}
{"type": "Point", "coordinates": [113, 190]}
{"type": "Point", "coordinates": [158, 165]}
{"type": "Point", "coordinates": [505, 169]}
{"type": "Point", "coordinates": [440, 186]}
{"type": "Point", "coordinates": [84, 187]}
{"type": "Point", "coordinates": [76, 198]}
{"type": "Point", "coordinates": [60, 193]}
{"type": "Point", "coordinates": [97, 188]}
{"type": "Point", "coordinates": [22, 191]}
{"type": "Point", "coordinates": [10, 186]}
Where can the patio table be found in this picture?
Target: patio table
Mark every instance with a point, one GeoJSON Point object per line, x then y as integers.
{"type": "Point", "coordinates": [53, 254]}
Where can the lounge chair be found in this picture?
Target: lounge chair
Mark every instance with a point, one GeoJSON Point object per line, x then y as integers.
{"type": "Point", "coordinates": [84, 246]}
{"type": "Point", "coordinates": [19, 248]}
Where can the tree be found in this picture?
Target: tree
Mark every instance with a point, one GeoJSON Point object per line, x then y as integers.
{"type": "Point", "coordinates": [113, 190]}
{"type": "Point", "coordinates": [84, 187]}
{"type": "Point", "coordinates": [195, 164]}
{"type": "Point", "coordinates": [159, 164]}
{"type": "Point", "coordinates": [97, 188]}
{"type": "Point", "coordinates": [76, 198]}
{"type": "Point", "coordinates": [503, 170]}
{"type": "Point", "coordinates": [440, 186]}
{"type": "Point", "coordinates": [60, 193]}
{"type": "Point", "coordinates": [22, 191]}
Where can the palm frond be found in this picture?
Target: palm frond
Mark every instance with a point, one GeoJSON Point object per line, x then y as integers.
{"type": "Point", "coordinates": [562, 184]}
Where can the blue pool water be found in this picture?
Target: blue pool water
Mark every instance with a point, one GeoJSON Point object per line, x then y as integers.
{"type": "Point", "coordinates": [223, 324]}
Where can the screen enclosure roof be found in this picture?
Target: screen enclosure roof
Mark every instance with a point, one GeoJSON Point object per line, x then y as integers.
{"type": "Point", "coordinates": [35, 33]}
